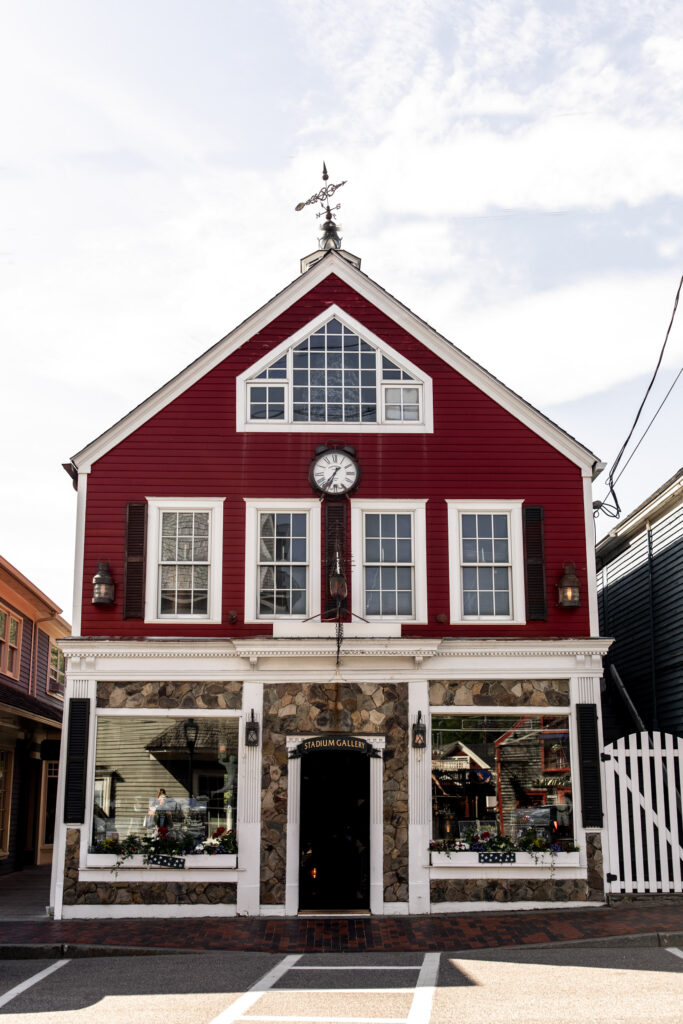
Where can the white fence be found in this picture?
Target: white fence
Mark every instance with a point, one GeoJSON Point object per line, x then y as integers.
{"type": "Point", "coordinates": [644, 780]}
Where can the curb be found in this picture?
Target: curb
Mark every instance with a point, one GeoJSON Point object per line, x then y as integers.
{"type": "Point", "coordinates": [74, 951]}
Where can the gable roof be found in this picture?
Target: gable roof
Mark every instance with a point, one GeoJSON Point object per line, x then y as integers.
{"type": "Point", "coordinates": [334, 263]}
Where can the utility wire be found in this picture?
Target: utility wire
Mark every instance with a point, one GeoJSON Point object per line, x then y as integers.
{"type": "Point", "coordinates": [613, 510]}
{"type": "Point", "coordinates": [678, 375]}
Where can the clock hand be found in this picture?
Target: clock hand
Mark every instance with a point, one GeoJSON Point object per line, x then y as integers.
{"type": "Point", "coordinates": [331, 478]}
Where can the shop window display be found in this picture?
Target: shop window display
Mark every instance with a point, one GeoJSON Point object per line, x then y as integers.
{"type": "Point", "coordinates": [169, 777]}
{"type": "Point", "coordinates": [502, 775]}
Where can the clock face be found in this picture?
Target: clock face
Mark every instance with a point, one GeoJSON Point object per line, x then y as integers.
{"type": "Point", "coordinates": [334, 472]}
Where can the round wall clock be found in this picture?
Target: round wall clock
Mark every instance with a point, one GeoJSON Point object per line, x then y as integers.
{"type": "Point", "coordinates": [334, 471]}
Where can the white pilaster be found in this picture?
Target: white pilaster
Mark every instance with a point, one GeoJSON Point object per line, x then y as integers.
{"type": "Point", "coordinates": [249, 806]}
{"type": "Point", "coordinates": [419, 802]}
{"type": "Point", "coordinates": [377, 826]}
{"type": "Point", "coordinates": [293, 820]}
{"type": "Point", "coordinates": [74, 688]}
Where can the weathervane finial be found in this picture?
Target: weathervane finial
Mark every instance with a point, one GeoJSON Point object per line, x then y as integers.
{"type": "Point", "coordinates": [330, 237]}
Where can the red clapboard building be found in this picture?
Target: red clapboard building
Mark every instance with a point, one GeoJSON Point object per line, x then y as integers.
{"type": "Point", "coordinates": [335, 642]}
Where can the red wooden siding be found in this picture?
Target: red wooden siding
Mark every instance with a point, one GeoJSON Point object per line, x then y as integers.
{"type": "Point", "coordinates": [191, 449]}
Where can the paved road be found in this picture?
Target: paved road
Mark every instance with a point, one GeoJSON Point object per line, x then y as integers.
{"type": "Point", "coordinates": [565, 986]}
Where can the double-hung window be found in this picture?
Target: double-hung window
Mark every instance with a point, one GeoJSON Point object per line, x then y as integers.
{"type": "Point", "coordinates": [184, 555]}
{"type": "Point", "coordinates": [486, 561]}
{"type": "Point", "coordinates": [10, 643]}
{"type": "Point", "coordinates": [282, 559]}
{"type": "Point", "coordinates": [55, 672]}
{"type": "Point", "coordinates": [389, 573]}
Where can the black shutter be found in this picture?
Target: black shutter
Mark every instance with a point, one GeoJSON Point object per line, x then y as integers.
{"type": "Point", "coordinates": [534, 556]}
{"type": "Point", "coordinates": [134, 582]}
{"type": "Point", "coordinates": [589, 765]}
{"type": "Point", "coordinates": [335, 540]}
{"type": "Point", "coordinates": [76, 760]}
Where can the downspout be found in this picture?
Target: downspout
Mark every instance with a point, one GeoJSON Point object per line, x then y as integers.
{"type": "Point", "coordinates": [651, 609]}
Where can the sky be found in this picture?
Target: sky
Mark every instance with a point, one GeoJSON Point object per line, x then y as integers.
{"type": "Point", "coordinates": [514, 177]}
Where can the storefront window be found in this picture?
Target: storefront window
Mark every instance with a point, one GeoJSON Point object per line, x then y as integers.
{"type": "Point", "coordinates": [172, 773]}
{"type": "Point", "coordinates": [501, 774]}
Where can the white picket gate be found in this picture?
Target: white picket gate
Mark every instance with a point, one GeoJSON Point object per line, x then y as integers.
{"type": "Point", "coordinates": [644, 781]}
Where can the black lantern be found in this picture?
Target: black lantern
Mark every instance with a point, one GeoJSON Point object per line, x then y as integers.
{"type": "Point", "coordinates": [568, 587]}
{"type": "Point", "coordinates": [251, 732]}
{"type": "Point", "coordinates": [191, 730]}
{"type": "Point", "coordinates": [419, 732]}
{"type": "Point", "coordinates": [103, 588]}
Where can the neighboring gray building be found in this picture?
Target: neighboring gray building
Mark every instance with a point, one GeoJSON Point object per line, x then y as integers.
{"type": "Point", "coordinates": [640, 595]}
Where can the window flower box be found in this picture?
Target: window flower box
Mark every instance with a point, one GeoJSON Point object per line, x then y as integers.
{"type": "Point", "coordinates": [470, 859]}
{"type": "Point", "coordinates": [202, 861]}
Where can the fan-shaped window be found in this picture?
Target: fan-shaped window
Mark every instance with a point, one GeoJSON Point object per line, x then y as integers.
{"type": "Point", "coordinates": [333, 375]}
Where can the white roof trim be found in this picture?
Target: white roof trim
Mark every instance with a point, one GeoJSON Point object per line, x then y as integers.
{"type": "Point", "coordinates": [335, 264]}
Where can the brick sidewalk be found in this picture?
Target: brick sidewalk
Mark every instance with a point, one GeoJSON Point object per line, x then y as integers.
{"type": "Point", "coordinates": [379, 934]}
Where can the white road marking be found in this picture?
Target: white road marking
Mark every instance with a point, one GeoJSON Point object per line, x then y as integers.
{"type": "Point", "coordinates": [335, 1020]}
{"type": "Point", "coordinates": [675, 951]}
{"type": "Point", "coordinates": [253, 994]}
{"type": "Point", "coordinates": [355, 967]}
{"type": "Point", "coordinates": [421, 1007]}
{"type": "Point", "coordinates": [18, 989]}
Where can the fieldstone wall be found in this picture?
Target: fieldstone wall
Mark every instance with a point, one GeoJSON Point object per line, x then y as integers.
{"type": "Point", "coordinates": [364, 709]}
{"type": "Point", "coordinates": [540, 693]}
{"type": "Point", "coordinates": [213, 696]}
{"type": "Point", "coordinates": [121, 892]}
{"type": "Point", "coordinates": [510, 890]}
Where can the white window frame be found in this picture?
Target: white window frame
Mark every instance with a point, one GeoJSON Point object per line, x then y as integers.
{"type": "Point", "coordinates": [417, 508]}
{"type": "Point", "coordinates": [513, 508]}
{"type": "Point", "coordinates": [60, 673]}
{"type": "Point", "coordinates": [513, 713]}
{"type": "Point", "coordinates": [5, 646]}
{"type": "Point", "coordinates": [425, 425]}
{"type": "Point", "coordinates": [254, 507]}
{"type": "Point", "coordinates": [155, 507]}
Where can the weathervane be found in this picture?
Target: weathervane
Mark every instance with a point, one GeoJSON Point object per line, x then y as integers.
{"type": "Point", "coordinates": [330, 238]}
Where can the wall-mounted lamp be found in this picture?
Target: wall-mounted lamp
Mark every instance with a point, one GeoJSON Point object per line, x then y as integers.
{"type": "Point", "coordinates": [568, 588]}
{"type": "Point", "coordinates": [419, 732]}
{"type": "Point", "coordinates": [251, 732]}
{"type": "Point", "coordinates": [103, 589]}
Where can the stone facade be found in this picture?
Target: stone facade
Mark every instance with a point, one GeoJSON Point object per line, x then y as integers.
{"type": "Point", "coordinates": [539, 693]}
{"type": "Point", "coordinates": [310, 709]}
{"type": "Point", "coordinates": [512, 890]}
{"type": "Point", "coordinates": [212, 696]}
{"type": "Point", "coordinates": [121, 892]}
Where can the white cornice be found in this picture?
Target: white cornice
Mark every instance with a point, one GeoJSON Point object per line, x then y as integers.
{"type": "Point", "coordinates": [335, 264]}
{"type": "Point", "coordinates": [382, 647]}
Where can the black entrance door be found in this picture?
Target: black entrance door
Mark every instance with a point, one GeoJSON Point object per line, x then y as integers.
{"type": "Point", "coordinates": [334, 866]}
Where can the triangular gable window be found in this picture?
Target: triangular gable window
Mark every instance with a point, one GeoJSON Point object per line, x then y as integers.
{"type": "Point", "coordinates": [333, 374]}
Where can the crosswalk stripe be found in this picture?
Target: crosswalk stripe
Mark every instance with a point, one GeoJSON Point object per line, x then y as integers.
{"type": "Point", "coordinates": [253, 994]}
{"type": "Point", "coordinates": [18, 989]}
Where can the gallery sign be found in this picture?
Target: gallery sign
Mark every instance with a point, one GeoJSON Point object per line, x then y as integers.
{"type": "Point", "coordinates": [349, 744]}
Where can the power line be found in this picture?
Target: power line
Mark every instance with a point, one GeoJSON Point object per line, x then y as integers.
{"type": "Point", "coordinates": [614, 510]}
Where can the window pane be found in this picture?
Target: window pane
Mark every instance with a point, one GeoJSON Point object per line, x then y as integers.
{"type": "Point", "coordinates": [519, 783]}
{"type": "Point", "coordinates": [484, 526]}
{"type": "Point", "coordinates": [142, 782]}
{"type": "Point", "coordinates": [169, 524]}
{"type": "Point", "coordinates": [393, 581]}
{"type": "Point", "coordinates": [469, 526]}
{"type": "Point", "coordinates": [168, 549]}
{"type": "Point", "coordinates": [284, 592]}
